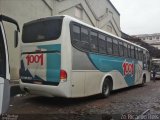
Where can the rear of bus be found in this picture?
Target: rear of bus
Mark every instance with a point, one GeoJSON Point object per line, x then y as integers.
{"type": "Point", "coordinates": [42, 69]}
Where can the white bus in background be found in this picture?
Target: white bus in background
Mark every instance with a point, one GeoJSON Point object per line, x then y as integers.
{"type": "Point", "coordinates": [8, 43]}
{"type": "Point", "coordinates": [156, 65]}
{"type": "Point", "coordinates": [62, 56]}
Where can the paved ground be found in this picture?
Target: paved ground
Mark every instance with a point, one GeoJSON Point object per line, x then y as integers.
{"type": "Point", "coordinates": [132, 101]}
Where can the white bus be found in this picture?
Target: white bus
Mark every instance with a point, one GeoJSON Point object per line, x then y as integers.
{"type": "Point", "coordinates": [62, 56]}
{"type": "Point", "coordinates": [5, 66]}
{"type": "Point", "coordinates": [155, 65]}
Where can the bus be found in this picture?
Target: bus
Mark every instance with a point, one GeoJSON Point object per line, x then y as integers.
{"type": "Point", "coordinates": [5, 66]}
{"type": "Point", "coordinates": [155, 63]}
{"type": "Point", "coordinates": [62, 56]}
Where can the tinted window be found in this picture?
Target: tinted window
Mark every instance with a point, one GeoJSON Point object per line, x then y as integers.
{"type": "Point", "coordinates": [115, 47]}
{"type": "Point", "coordinates": [121, 48]}
{"type": "Point", "coordinates": [109, 45]}
{"type": "Point", "coordinates": [42, 30]}
{"type": "Point", "coordinates": [136, 52]}
{"type": "Point", "coordinates": [125, 50]}
{"type": "Point", "coordinates": [84, 44]}
{"type": "Point", "coordinates": [84, 35]}
{"type": "Point", "coordinates": [2, 56]}
{"type": "Point", "coordinates": [129, 50]}
{"type": "Point", "coordinates": [144, 57]}
{"type": "Point", "coordinates": [76, 33]}
{"type": "Point", "coordinates": [147, 60]}
{"type": "Point", "coordinates": [94, 41]}
{"type": "Point", "coordinates": [102, 43]}
{"type": "Point", "coordinates": [132, 51]}
{"type": "Point", "coordinates": [141, 55]}
{"type": "Point", "coordinates": [144, 60]}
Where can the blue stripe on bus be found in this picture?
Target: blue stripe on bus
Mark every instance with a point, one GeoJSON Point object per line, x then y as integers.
{"type": "Point", "coordinates": [56, 47]}
{"type": "Point", "coordinates": [53, 62]}
{"type": "Point", "coordinates": [110, 63]}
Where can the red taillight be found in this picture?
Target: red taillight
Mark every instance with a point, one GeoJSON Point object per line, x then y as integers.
{"type": "Point", "coordinates": [63, 75]}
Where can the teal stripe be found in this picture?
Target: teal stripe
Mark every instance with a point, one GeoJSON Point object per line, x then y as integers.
{"type": "Point", "coordinates": [53, 62]}
{"type": "Point", "coordinates": [110, 63]}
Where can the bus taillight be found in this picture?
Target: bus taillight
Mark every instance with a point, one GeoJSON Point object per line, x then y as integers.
{"type": "Point", "coordinates": [63, 75]}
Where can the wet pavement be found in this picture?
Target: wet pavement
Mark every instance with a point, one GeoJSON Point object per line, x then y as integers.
{"type": "Point", "coordinates": [132, 101]}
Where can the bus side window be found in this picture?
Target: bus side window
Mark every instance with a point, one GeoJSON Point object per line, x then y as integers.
{"type": "Point", "coordinates": [121, 49]}
{"type": "Point", "coordinates": [144, 61]}
{"type": "Point", "coordinates": [102, 44]}
{"type": "Point", "coordinates": [140, 55]}
{"type": "Point", "coordinates": [144, 57]}
{"type": "Point", "coordinates": [132, 52]}
{"type": "Point", "coordinates": [148, 61]}
{"type": "Point", "coordinates": [94, 41]}
{"type": "Point", "coordinates": [115, 47]}
{"type": "Point", "coordinates": [2, 56]}
{"type": "Point", "coordinates": [136, 52]}
{"type": "Point", "coordinates": [129, 51]}
{"type": "Point", "coordinates": [76, 33]}
{"type": "Point", "coordinates": [84, 39]}
{"type": "Point", "coordinates": [109, 46]}
{"type": "Point", "coordinates": [125, 50]}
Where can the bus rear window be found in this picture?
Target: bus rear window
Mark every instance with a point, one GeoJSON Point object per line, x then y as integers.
{"type": "Point", "coordinates": [42, 30]}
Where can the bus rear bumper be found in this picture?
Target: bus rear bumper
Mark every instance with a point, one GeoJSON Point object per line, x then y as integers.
{"type": "Point", "coordinates": [62, 90]}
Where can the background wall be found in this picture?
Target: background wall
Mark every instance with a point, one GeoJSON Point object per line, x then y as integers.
{"type": "Point", "coordinates": [98, 13]}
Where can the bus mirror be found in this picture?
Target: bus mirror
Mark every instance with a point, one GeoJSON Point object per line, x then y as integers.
{"type": "Point", "coordinates": [15, 38]}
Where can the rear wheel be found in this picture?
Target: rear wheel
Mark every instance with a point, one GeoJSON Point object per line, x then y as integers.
{"type": "Point", "coordinates": [106, 88]}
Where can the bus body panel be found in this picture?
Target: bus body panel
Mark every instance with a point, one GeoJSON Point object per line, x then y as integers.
{"type": "Point", "coordinates": [92, 82]}
{"type": "Point", "coordinates": [7, 72]}
{"type": "Point", "coordinates": [59, 58]}
{"type": "Point", "coordinates": [4, 72]}
{"type": "Point", "coordinates": [77, 81]}
{"type": "Point", "coordinates": [41, 63]}
{"type": "Point", "coordinates": [147, 74]}
{"type": "Point", "coordinates": [14, 52]}
{"type": "Point", "coordinates": [89, 71]}
{"type": "Point", "coordinates": [62, 90]}
{"type": "Point", "coordinates": [86, 71]}
{"type": "Point", "coordinates": [9, 59]}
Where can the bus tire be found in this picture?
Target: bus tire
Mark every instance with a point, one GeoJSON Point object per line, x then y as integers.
{"type": "Point", "coordinates": [106, 88]}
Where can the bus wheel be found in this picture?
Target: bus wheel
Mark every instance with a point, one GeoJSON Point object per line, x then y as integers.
{"type": "Point", "coordinates": [106, 88]}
